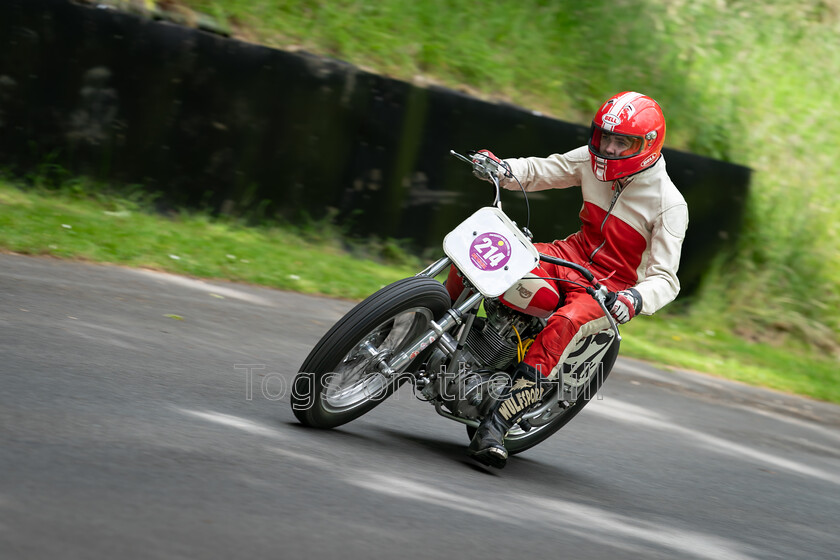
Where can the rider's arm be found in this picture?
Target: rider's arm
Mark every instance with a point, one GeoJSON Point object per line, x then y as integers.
{"type": "Point", "coordinates": [558, 171]}
{"type": "Point", "coordinates": [661, 285]}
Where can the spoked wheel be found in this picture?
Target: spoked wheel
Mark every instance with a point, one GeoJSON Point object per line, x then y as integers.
{"type": "Point", "coordinates": [555, 412]}
{"type": "Point", "coordinates": [355, 379]}
{"type": "Point", "coordinates": [340, 379]}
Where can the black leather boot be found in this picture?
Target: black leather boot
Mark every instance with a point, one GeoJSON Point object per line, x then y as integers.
{"type": "Point", "coordinates": [524, 390]}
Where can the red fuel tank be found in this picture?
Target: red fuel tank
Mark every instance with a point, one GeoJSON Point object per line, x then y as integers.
{"type": "Point", "coordinates": [533, 295]}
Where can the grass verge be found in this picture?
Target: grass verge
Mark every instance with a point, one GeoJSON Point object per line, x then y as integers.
{"type": "Point", "coordinates": [672, 341]}
{"type": "Point", "coordinates": [84, 221]}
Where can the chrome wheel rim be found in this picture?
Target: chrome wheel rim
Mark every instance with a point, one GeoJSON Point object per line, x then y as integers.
{"type": "Point", "coordinates": [356, 379]}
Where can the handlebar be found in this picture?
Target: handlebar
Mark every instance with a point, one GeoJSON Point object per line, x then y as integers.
{"type": "Point", "coordinates": [483, 168]}
{"type": "Point", "coordinates": [486, 167]}
{"type": "Point", "coordinates": [574, 266]}
{"type": "Point", "coordinates": [599, 293]}
{"type": "Point", "coordinates": [491, 169]}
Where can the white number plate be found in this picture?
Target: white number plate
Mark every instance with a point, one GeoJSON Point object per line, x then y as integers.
{"type": "Point", "coordinates": [490, 251]}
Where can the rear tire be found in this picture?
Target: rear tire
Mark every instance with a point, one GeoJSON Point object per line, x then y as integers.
{"type": "Point", "coordinates": [339, 381]}
{"type": "Point", "coordinates": [543, 427]}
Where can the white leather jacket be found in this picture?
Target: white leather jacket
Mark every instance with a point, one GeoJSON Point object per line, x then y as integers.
{"type": "Point", "coordinates": [632, 235]}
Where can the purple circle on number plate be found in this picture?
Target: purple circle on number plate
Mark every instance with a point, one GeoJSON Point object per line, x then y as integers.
{"type": "Point", "coordinates": [490, 251]}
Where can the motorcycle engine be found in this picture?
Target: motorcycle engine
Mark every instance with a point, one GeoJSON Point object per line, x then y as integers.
{"type": "Point", "coordinates": [495, 343]}
{"type": "Point", "coordinates": [466, 393]}
{"type": "Point", "coordinates": [490, 347]}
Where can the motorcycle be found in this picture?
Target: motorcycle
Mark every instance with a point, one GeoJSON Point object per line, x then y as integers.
{"type": "Point", "coordinates": [457, 353]}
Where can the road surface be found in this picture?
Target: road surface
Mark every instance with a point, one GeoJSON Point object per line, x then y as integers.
{"type": "Point", "coordinates": [145, 415]}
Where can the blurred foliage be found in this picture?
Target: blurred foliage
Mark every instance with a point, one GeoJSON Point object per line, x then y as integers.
{"type": "Point", "coordinates": [752, 82]}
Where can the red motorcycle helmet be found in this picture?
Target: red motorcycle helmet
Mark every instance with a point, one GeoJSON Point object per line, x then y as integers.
{"type": "Point", "coordinates": [635, 123]}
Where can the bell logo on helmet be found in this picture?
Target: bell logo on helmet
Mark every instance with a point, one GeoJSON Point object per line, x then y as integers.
{"type": "Point", "coordinates": [650, 159]}
{"type": "Point", "coordinates": [612, 119]}
{"type": "Point", "coordinates": [628, 111]}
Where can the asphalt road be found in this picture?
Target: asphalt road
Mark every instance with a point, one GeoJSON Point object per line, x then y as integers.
{"type": "Point", "coordinates": [145, 415]}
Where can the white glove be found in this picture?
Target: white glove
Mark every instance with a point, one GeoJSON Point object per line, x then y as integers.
{"type": "Point", "coordinates": [627, 304]}
{"type": "Point", "coordinates": [491, 164]}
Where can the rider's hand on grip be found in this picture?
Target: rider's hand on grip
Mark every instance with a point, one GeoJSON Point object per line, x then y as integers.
{"type": "Point", "coordinates": [489, 154]}
{"type": "Point", "coordinates": [627, 304]}
{"type": "Point", "coordinates": [485, 163]}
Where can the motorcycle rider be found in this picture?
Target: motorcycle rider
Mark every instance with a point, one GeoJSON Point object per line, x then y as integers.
{"type": "Point", "coordinates": [633, 223]}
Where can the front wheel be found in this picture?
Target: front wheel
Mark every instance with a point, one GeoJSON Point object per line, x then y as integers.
{"type": "Point", "coordinates": [339, 380]}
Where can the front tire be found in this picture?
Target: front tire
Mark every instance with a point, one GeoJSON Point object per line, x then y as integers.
{"type": "Point", "coordinates": [339, 381]}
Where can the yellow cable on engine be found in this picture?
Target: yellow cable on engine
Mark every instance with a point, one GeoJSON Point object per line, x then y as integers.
{"type": "Point", "coordinates": [521, 347]}
{"type": "Point", "coordinates": [518, 344]}
{"type": "Point", "coordinates": [526, 346]}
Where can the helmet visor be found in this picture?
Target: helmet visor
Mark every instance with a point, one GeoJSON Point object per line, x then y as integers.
{"type": "Point", "coordinates": [611, 145]}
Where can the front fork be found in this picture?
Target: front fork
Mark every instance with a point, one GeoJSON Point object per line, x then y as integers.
{"type": "Point", "coordinates": [438, 331]}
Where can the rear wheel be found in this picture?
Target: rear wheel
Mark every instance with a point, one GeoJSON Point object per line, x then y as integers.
{"type": "Point", "coordinates": [339, 380]}
{"type": "Point", "coordinates": [558, 412]}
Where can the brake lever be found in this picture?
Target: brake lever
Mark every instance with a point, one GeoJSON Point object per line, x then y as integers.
{"type": "Point", "coordinates": [459, 156]}
{"type": "Point", "coordinates": [484, 168]}
{"type": "Point", "coordinates": [605, 299]}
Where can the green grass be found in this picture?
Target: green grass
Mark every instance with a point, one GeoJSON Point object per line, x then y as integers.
{"type": "Point", "coordinates": [82, 220]}
{"type": "Point", "coordinates": [675, 342]}
{"type": "Point", "coordinates": [86, 222]}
